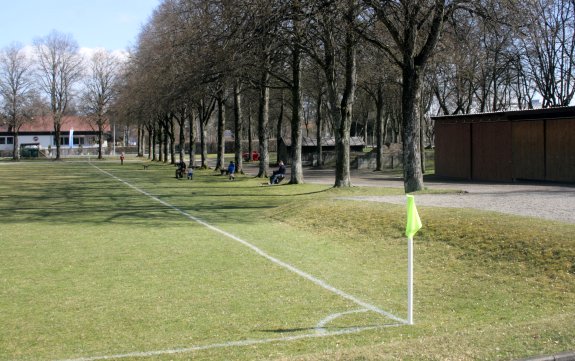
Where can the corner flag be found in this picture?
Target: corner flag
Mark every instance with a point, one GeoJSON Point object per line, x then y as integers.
{"type": "Point", "coordinates": [413, 225]}
{"type": "Point", "coordinates": [413, 222]}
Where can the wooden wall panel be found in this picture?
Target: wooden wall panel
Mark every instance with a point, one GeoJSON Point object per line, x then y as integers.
{"type": "Point", "coordinates": [491, 151]}
{"type": "Point", "coordinates": [528, 140]}
{"type": "Point", "coordinates": [560, 143]}
{"type": "Point", "coordinates": [453, 150]}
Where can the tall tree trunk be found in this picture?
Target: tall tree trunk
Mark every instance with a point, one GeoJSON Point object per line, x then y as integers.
{"type": "Point", "coordinates": [329, 69]}
{"type": "Point", "coordinates": [152, 136]}
{"type": "Point", "coordinates": [297, 111]}
{"type": "Point", "coordinates": [379, 127]}
{"type": "Point", "coordinates": [166, 144]}
{"type": "Point", "coordinates": [100, 141]}
{"type": "Point", "coordinates": [152, 143]}
{"type": "Point", "coordinates": [160, 139]}
{"type": "Point", "coordinates": [421, 146]}
{"type": "Point", "coordinates": [365, 128]}
{"type": "Point", "coordinates": [221, 141]}
{"type": "Point", "coordinates": [342, 168]}
{"type": "Point", "coordinates": [172, 138]}
{"type": "Point", "coordinates": [16, 145]}
{"type": "Point", "coordinates": [263, 120]}
{"type": "Point", "coordinates": [250, 134]}
{"type": "Point", "coordinates": [140, 141]}
{"type": "Point", "coordinates": [57, 127]}
{"type": "Point", "coordinates": [411, 92]}
{"type": "Point", "coordinates": [182, 125]}
{"type": "Point", "coordinates": [205, 111]}
{"type": "Point", "coordinates": [279, 127]}
{"type": "Point", "coordinates": [192, 137]}
{"type": "Point", "coordinates": [203, 150]}
{"type": "Point", "coordinates": [319, 126]}
{"type": "Point", "coordinates": [238, 127]}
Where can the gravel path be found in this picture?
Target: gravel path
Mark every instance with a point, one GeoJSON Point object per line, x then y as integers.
{"type": "Point", "coordinates": [543, 200]}
{"type": "Point", "coordinates": [558, 205]}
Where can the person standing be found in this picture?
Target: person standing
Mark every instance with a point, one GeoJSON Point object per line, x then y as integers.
{"type": "Point", "coordinates": [232, 171]}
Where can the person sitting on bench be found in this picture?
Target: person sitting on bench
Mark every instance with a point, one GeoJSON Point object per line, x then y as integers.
{"type": "Point", "coordinates": [279, 174]}
{"type": "Point", "coordinates": [181, 170]}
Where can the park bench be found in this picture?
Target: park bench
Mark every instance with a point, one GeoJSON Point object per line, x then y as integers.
{"type": "Point", "coordinates": [279, 178]}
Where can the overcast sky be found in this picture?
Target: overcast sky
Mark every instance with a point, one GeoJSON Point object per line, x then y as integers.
{"type": "Point", "coordinates": [110, 24]}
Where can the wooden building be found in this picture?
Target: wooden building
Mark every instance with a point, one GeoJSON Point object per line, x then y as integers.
{"type": "Point", "coordinates": [506, 146]}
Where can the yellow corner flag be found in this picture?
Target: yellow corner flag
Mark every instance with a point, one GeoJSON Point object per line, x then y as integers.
{"type": "Point", "coordinates": [413, 221]}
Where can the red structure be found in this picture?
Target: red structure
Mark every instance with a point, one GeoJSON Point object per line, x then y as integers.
{"type": "Point", "coordinates": [534, 144]}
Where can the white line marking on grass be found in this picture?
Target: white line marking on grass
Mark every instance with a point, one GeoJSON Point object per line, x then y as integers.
{"type": "Point", "coordinates": [320, 328]}
{"type": "Point", "coordinates": [243, 343]}
{"type": "Point", "coordinates": [259, 251]}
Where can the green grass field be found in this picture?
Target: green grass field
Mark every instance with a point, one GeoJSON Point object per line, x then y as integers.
{"type": "Point", "coordinates": [101, 261]}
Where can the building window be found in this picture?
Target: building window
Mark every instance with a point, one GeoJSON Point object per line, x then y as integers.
{"type": "Point", "coordinates": [64, 141]}
{"type": "Point", "coordinates": [6, 140]}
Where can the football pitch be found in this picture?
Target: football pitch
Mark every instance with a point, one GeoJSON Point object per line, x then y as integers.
{"type": "Point", "coordinates": [101, 261]}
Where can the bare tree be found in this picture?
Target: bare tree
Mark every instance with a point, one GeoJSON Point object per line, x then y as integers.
{"type": "Point", "coordinates": [296, 123]}
{"type": "Point", "coordinates": [60, 67]}
{"type": "Point", "coordinates": [100, 91]}
{"type": "Point", "coordinates": [16, 90]}
{"type": "Point", "coordinates": [333, 41]}
{"type": "Point", "coordinates": [205, 107]}
{"type": "Point", "coordinates": [415, 27]}
{"type": "Point", "coordinates": [549, 42]}
{"type": "Point", "coordinates": [379, 79]}
{"type": "Point", "coordinates": [457, 66]}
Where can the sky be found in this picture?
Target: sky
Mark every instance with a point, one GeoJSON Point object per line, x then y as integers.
{"type": "Point", "coordinates": [110, 24]}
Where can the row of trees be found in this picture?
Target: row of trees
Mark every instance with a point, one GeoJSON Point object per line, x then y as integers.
{"type": "Point", "coordinates": [56, 80]}
{"type": "Point", "coordinates": [343, 60]}
{"type": "Point", "coordinates": [325, 67]}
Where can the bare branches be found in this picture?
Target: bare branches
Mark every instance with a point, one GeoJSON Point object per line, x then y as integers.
{"type": "Point", "coordinates": [60, 67]}
{"type": "Point", "coordinates": [100, 90]}
{"type": "Point", "coordinates": [549, 46]}
{"type": "Point", "coordinates": [17, 93]}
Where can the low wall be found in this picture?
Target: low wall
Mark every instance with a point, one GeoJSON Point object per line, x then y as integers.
{"type": "Point", "coordinates": [392, 158]}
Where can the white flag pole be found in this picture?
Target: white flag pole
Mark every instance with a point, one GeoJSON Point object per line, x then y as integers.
{"type": "Point", "coordinates": [410, 280]}
{"type": "Point", "coordinates": [413, 225]}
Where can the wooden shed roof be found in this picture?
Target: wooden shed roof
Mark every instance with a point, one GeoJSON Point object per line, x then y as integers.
{"type": "Point", "coordinates": [512, 115]}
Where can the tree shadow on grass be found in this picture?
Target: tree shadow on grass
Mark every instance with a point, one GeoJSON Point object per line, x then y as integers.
{"type": "Point", "coordinates": [336, 328]}
{"type": "Point", "coordinates": [74, 196]}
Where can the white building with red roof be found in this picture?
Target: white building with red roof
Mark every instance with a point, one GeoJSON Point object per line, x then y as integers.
{"type": "Point", "coordinates": [75, 132]}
